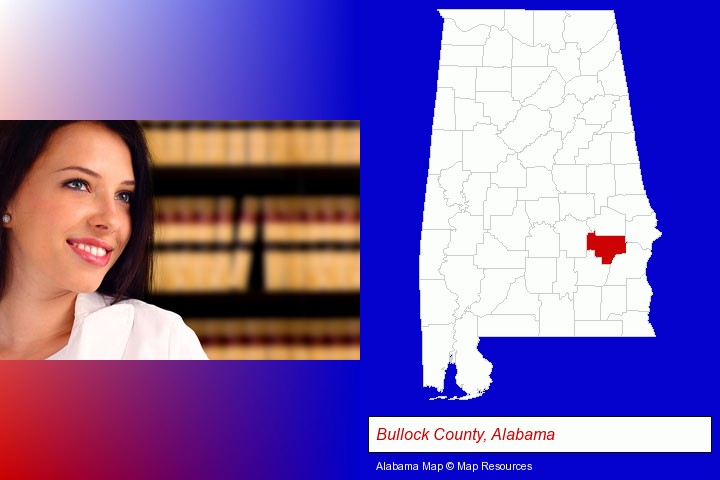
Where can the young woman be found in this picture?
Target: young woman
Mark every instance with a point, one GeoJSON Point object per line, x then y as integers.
{"type": "Point", "coordinates": [75, 246]}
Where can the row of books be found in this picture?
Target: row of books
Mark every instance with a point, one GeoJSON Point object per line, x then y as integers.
{"type": "Point", "coordinates": [207, 244]}
{"type": "Point", "coordinates": [307, 270]}
{"type": "Point", "coordinates": [279, 339]}
{"type": "Point", "coordinates": [243, 143]}
{"type": "Point", "coordinates": [283, 219]}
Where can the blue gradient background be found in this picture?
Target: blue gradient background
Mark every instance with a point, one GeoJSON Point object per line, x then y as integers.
{"type": "Point", "coordinates": [338, 60]}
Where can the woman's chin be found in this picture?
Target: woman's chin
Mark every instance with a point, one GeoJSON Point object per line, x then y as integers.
{"type": "Point", "coordinates": [88, 286]}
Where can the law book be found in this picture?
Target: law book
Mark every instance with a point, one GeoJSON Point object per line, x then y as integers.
{"type": "Point", "coordinates": [353, 145]}
{"type": "Point", "coordinates": [318, 143]}
{"type": "Point", "coordinates": [279, 138]}
{"type": "Point", "coordinates": [259, 137]}
{"type": "Point", "coordinates": [206, 143]}
{"type": "Point", "coordinates": [345, 143]}
{"type": "Point", "coordinates": [175, 143]}
{"type": "Point", "coordinates": [202, 222]}
{"type": "Point", "coordinates": [237, 144]}
{"type": "Point", "coordinates": [223, 219]}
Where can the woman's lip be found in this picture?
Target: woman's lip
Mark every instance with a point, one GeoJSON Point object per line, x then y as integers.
{"type": "Point", "coordinates": [94, 242]}
{"type": "Point", "coordinates": [89, 257]}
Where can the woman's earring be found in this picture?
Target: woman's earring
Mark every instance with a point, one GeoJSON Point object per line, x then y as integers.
{"type": "Point", "coordinates": [6, 218]}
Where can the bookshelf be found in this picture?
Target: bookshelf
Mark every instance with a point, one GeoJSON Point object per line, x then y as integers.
{"type": "Point", "coordinates": [279, 194]}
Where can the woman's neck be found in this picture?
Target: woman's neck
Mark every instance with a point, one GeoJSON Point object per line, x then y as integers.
{"type": "Point", "coordinates": [34, 325]}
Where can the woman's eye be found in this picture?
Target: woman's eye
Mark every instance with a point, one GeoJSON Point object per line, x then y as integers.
{"type": "Point", "coordinates": [80, 185]}
{"type": "Point", "coordinates": [125, 197]}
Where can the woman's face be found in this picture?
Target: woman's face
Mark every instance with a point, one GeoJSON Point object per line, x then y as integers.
{"type": "Point", "coordinates": [71, 215]}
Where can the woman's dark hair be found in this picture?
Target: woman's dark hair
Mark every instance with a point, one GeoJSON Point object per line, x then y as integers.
{"type": "Point", "coordinates": [21, 142]}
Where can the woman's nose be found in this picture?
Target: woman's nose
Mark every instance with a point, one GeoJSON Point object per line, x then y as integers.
{"type": "Point", "coordinates": [106, 214]}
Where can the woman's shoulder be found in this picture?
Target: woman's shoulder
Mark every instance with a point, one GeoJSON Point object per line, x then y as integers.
{"type": "Point", "coordinates": [148, 315]}
{"type": "Point", "coordinates": [152, 313]}
{"type": "Point", "coordinates": [157, 332]}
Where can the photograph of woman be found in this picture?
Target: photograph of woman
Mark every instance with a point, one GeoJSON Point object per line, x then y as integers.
{"type": "Point", "coordinates": [75, 246]}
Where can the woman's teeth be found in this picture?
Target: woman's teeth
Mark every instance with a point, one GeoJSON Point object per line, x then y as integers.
{"type": "Point", "coordinates": [96, 251]}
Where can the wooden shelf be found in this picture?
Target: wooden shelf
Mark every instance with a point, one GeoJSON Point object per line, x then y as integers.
{"type": "Point", "coordinates": [252, 180]}
{"type": "Point", "coordinates": [259, 304]}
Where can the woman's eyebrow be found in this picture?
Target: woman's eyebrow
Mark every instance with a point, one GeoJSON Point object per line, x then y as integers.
{"type": "Point", "coordinates": [92, 173]}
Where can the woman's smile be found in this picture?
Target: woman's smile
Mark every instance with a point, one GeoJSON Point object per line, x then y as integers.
{"type": "Point", "coordinates": [92, 250]}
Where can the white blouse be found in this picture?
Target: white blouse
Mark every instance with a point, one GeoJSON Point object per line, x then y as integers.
{"type": "Point", "coordinates": [128, 330]}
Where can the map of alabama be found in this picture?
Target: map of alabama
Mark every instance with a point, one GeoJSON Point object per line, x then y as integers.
{"type": "Point", "coordinates": [536, 221]}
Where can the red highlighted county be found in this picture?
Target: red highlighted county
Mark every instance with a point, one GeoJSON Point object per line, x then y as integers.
{"type": "Point", "coordinates": [606, 247]}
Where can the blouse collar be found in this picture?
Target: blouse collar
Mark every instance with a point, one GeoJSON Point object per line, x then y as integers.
{"type": "Point", "coordinates": [100, 331]}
